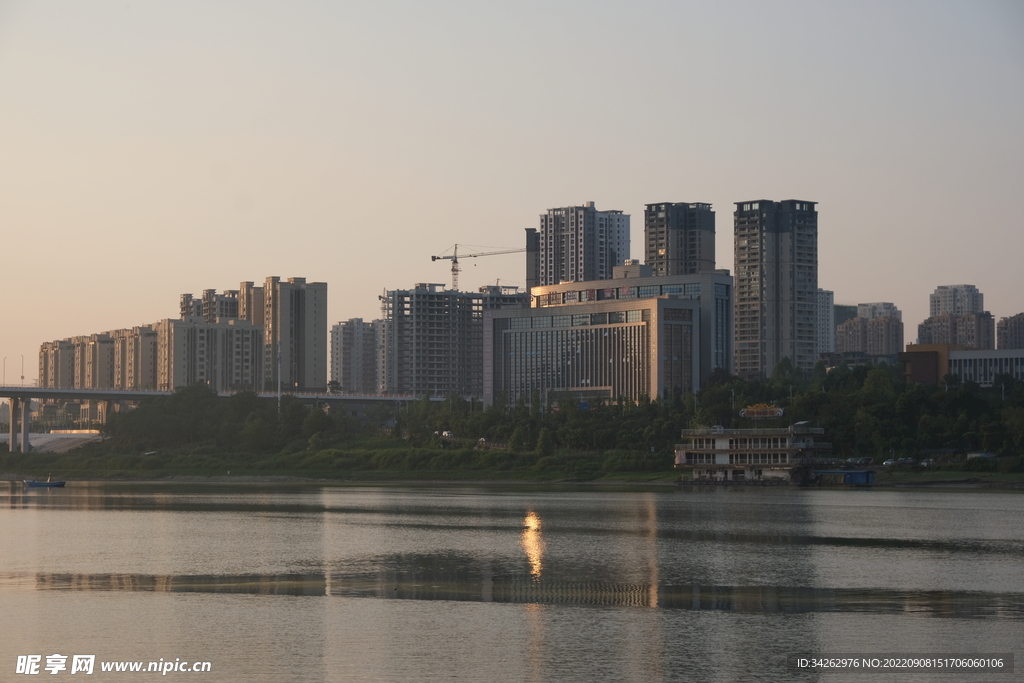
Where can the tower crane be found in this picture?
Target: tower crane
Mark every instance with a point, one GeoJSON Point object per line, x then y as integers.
{"type": "Point", "coordinates": [454, 258]}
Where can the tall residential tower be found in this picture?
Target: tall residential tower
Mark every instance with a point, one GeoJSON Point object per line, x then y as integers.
{"type": "Point", "coordinates": [679, 238]}
{"type": "Point", "coordinates": [577, 243]}
{"type": "Point", "coordinates": [776, 259]}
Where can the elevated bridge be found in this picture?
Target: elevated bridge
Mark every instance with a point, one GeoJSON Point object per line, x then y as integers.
{"type": "Point", "coordinates": [20, 398]}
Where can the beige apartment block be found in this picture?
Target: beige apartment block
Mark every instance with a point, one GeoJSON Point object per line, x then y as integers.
{"type": "Point", "coordinates": [295, 334]}
{"type": "Point", "coordinates": [970, 330]}
{"type": "Point", "coordinates": [226, 355]}
{"type": "Point", "coordinates": [955, 300]}
{"type": "Point", "coordinates": [1010, 332]}
{"type": "Point", "coordinates": [884, 336]}
{"type": "Point", "coordinates": [57, 365]}
{"type": "Point", "coordinates": [135, 358]}
{"type": "Point", "coordinates": [876, 336]}
{"type": "Point", "coordinates": [354, 345]}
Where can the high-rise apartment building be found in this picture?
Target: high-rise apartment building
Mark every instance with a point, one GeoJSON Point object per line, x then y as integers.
{"type": "Point", "coordinates": [354, 345]}
{"type": "Point", "coordinates": [877, 330]}
{"type": "Point", "coordinates": [226, 355]}
{"type": "Point", "coordinates": [877, 336]}
{"type": "Point", "coordinates": [211, 306]}
{"type": "Point", "coordinates": [295, 334]}
{"type": "Point", "coordinates": [956, 300]}
{"type": "Point", "coordinates": [826, 321]}
{"type": "Point", "coordinates": [293, 314]}
{"type": "Point", "coordinates": [1010, 332]}
{"type": "Point", "coordinates": [957, 315]}
{"type": "Point", "coordinates": [577, 243]}
{"type": "Point", "coordinates": [969, 330]}
{"type": "Point", "coordinates": [250, 303]}
{"type": "Point", "coordinates": [776, 271]}
{"type": "Point", "coordinates": [879, 310]}
{"type": "Point", "coordinates": [679, 238]}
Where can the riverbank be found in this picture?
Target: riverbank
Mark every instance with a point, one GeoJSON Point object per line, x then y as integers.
{"type": "Point", "coordinates": [907, 480]}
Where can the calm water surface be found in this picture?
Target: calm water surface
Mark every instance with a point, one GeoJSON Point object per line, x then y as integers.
{"type": "Point", "coordinates": [326, 583]}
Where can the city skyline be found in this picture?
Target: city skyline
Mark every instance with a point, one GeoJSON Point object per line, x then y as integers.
{"type": "Point", "coordinates": [153, 149]}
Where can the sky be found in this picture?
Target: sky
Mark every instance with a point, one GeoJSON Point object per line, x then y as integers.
{"type": "Point", "coordinates": [148, 149]}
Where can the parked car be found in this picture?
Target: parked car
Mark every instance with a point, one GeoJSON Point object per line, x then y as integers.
{"type": "Point", "coordinates": [889, 463]}
{"type": "Point", "coordinates": [927, 462]}
{"type": "Point", "coordinates": [906, 461]}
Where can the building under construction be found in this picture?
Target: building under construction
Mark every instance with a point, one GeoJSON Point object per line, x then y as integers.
{"type": "Point", "coordinates": [433, 338]}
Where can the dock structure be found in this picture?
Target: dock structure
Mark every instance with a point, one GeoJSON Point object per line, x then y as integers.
{"type": "Point", "coordinates": [761, 454]}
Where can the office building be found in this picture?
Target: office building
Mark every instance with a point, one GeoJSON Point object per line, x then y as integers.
{"type": "Point", "coordinates": [776, 271]}
{"type": "Point", "coordinates": [1010, 332]}
{"type": "Point", "coordinates": [679, 238]}
{"type": "Point", "coordinates": [433, 338]}
{"type": "Point", "coordinates": [984, 366]}
{"type": "Point", "coordinates": [930, 363]}
{"type": "Point", "coordinates": [633, 336]}
{"type": "Point", "coordinates": [354, 345]}
{"type": "Point", "coordinates": [577, 243]}
{"type": "Point", "coordinates": [955, 300]}
{"type": "Point", "coordinates": [826, 321]}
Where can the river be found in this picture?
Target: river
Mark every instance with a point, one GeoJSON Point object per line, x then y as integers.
{"type": "Point", "coordinates": [319, 582]}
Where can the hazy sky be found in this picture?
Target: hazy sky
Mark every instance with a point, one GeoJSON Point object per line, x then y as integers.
{"type": "Point", "coordinates": [153, 148]}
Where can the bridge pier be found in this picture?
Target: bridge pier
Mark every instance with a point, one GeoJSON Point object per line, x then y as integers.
{"type": "Point", "coordinates": [26, 419]}
{"type": "Point", "coordinates": [19, 410]}
{"type": "Point", "coordinates": [13, 404]}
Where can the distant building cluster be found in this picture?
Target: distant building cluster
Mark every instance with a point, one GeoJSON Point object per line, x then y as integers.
{"type": "Point", "coordinates": [244, 339]}
{"type": "Point", "coordinates": [592, 325]}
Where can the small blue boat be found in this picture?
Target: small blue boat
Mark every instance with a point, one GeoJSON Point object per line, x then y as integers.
{"type": "Point", "coordinates": [44, 484]}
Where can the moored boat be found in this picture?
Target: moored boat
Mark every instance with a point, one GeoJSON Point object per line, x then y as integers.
{"type": "Point", "coordinates": [44, 484]}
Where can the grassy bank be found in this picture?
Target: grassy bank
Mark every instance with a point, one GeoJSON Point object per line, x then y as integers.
{"type": "Point", "coordinates": [365, 459]}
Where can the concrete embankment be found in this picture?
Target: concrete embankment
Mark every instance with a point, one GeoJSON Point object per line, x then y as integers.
{"type": "Point", "coordinates": [55, 443]}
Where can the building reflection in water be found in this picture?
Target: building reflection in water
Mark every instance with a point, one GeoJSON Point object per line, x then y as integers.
{"type": "Point", "coordinates": [533, 544]}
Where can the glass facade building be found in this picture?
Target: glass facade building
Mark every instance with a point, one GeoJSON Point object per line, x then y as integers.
{"type": "Point", "coordinates": [626, 337]}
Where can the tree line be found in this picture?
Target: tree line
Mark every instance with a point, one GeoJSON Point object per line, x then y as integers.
{"type": "Point", "coordinates": [864, 410]}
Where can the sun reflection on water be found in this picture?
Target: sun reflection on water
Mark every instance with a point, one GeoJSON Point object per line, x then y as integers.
{"type": "Point", "coordinates": [532, 543]}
